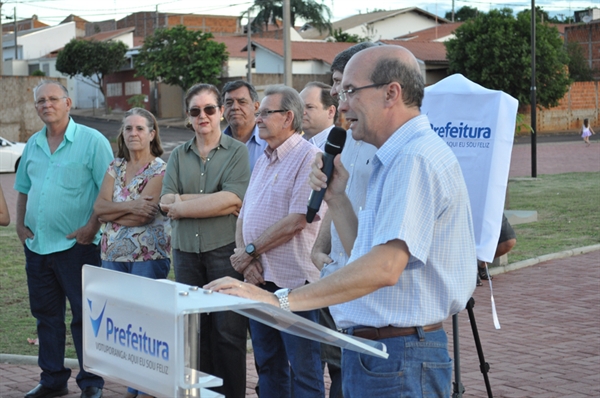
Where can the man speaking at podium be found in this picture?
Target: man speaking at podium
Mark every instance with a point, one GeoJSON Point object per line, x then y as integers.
{"type": "Point", "coordinates": [412, 262]}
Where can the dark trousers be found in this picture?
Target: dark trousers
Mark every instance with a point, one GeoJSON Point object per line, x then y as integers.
{"type": "Point", "coordinates": [332, 356]}
{"type": "Point", "coordinates": [51, 279]}
{"type": "Point", "coordinates": [222, 334]}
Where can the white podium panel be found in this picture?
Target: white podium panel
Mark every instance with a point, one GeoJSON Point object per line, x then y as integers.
{"type": "Point", "coordinates": [133, 330]}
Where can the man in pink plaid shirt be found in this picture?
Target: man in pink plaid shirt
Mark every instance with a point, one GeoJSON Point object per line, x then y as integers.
{"type": "Point", "coordinates": [274, 243]}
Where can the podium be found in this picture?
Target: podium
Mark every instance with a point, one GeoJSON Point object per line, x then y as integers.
{"type": "Point", "coordinates": [143, 333]}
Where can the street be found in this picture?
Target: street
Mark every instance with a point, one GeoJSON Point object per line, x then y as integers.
{"type": "Point", "coordinates": [170, 137]}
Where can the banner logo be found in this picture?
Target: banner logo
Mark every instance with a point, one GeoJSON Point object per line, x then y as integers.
{"type": "Point", "coordinates": [98, 321]}
{"type": "Point", "coordinates": [462, 131]}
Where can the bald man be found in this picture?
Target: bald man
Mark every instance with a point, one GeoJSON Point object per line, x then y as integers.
{"type": "Point", "coordinates": [412, 248]}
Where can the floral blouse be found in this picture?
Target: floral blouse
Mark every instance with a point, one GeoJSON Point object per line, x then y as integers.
{"type": "Point", "coordinates": [144, 243]}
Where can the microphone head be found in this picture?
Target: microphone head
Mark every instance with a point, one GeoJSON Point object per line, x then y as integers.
{"type": "Point", "coordinates": [335, 141]}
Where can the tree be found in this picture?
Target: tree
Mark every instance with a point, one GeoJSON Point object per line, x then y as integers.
{"type": "Point", "coordinates": [314, 13]}
{"type": "Point", "coordinates": [181, 57]}
{"type": "Point", "coordinates": [463, 14]}
{"type": "Point", "coordinates": [342, 37]}
{"type": "Point", "coordinates": [579, 69]}
{"type": "Point", "coordinates": [92, 59]}
{"type": "Point", "coordinates": [494, 50]}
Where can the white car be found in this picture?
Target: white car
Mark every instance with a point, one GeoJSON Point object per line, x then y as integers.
{"type": "Point", "coordinates": [10, 155]}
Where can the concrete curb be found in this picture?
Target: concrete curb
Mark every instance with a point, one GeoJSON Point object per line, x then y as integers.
{"type": "Point", "coordinates": [73, 363]}
{"type": "Point", "coordinates": [547, 257]}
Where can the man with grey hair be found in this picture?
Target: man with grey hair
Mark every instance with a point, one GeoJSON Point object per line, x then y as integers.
{"type": "Point", "coordinates": [241, 103]}
{"type": "Point", "coordinates": [58, 180]}
{"type": "Point", "coordinates": [273, 243]}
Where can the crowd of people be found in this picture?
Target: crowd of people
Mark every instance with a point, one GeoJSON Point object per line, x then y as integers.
{"type": "Point", "coordinates": [390, 255]}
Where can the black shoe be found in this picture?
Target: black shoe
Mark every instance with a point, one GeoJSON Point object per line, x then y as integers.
{"type": "Point", "coordinates": [482, 273]}
{"type": "Point", "coordinates": [91, 392]}
{"type": "Point", "coordinates": [44, 392]}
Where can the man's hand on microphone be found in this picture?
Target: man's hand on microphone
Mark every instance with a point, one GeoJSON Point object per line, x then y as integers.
{"type": "Point", "coordinates": [318, 180]}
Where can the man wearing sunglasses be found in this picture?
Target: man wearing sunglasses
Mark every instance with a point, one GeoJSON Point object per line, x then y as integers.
{"type": "Point", "coordinates": [273, 243]}
{"type": "Point", "coordinates": [58, 180]}
{"type": "Point", "coordinates": [241, 103]}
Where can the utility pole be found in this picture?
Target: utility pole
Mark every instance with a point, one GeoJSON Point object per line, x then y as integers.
{"type": "Point", "coordinates": [16, 31]}
{"type": "Point", "coordinates": [287, 44]}
{"type": "Point", "coordinates": [533, 96]}
{"type": "Point", "coordinates": [249, 47]}
{"type": "Point", "coordinates": [1, 45]}
{"type": "Point", "coordinates": [156, 23]}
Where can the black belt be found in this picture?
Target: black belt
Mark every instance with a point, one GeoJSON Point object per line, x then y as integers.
{"type": "Point", "coordinates": [389, 331]}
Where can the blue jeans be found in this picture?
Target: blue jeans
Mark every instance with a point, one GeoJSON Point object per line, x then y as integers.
{"type": "Point", "coordinates": [51, 279]}
{"type": "Point", "coordinates": [154, 269]}
{"type": "Point", "coordinates": [223, 334]}
{"type": "Point", "coordinates": [418, 366]}
{"type": "Point", "coordinates": [288, 366]}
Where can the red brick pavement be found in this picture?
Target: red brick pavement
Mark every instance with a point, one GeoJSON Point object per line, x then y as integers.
{"type": "Point", "coordinates": [549, 344]}
{"type": "Point", "coordinates": [555, 158]}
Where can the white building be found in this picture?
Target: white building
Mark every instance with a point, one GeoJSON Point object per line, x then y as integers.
{"type": "Point", "coordinates": [381, 25]}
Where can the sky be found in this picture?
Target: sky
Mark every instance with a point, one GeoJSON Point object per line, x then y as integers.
{"type": "Point", "coordinates": [52, 12]}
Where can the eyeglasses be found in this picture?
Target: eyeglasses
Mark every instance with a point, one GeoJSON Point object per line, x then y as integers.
{"type": "Point", "coordinates": [52, 100]}
{"type": "Point", "coordinates": [344, 94]}
{"type": "Point", "coordinates": [208, 110]}
{"type": "Point", "coordinates": [265, 112]}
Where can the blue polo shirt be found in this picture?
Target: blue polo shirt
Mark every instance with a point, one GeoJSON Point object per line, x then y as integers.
{"type": "Point", "coordinates": [256, 145]}
{"type": "Point", "coordinates": [61, 187]}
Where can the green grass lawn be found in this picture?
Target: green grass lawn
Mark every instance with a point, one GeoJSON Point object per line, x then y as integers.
{"type": "Point", "coordinates": [568, 207]}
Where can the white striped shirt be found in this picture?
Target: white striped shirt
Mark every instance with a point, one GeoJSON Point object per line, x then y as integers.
{"type": "Point", "coordinates": [416, 194]}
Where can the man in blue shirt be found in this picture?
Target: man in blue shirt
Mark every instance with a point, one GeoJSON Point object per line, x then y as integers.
{"type": "Point", "coordinates": [58, 179]}
{"type": "Point", "coordinates": [241, 103]}
{"type": "Point", "coordinates": [412, 247]}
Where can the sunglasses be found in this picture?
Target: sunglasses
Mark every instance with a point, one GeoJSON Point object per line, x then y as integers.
{"type": "Point", "coordinates": [208, 110]}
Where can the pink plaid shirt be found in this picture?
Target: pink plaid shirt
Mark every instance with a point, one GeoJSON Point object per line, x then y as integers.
{"type": "Point", "coordinates": [279, 187]}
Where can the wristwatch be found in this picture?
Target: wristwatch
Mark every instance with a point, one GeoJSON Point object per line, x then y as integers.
{"type": "Point", "coordinates": [251, 250]}
{"type": "Point", "coordinates": [282, 296]}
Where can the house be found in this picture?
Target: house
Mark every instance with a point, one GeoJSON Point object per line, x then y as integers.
{"type": "Point", "coordinates": [438, 33]}
{"type": "Point", "coordinates": [315, 58]}
{"type": "Point", "coordinates": [238, 60]}
{"type": "Point", "coordinates": [431, 56]}
{"type": "Point", "coordinates": [24, 24]}
{"type": "Point", "coordinates": [308, 57]}
{"type": "Point", "coordinates": [83, 91]}
{"type": "Point", "coordinates": [32, 44]}
{"type": "Point", "coordinates": [381, 25]}
{"type": "Point", "coordinates": [80, 24]}
{"type": "Point", "coordinates": [145, 22]}
{"type": "Point", "coordinates": [587, 35]}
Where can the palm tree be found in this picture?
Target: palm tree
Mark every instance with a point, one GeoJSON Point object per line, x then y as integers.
{"type": "Point", "coordinates": [315, 13]}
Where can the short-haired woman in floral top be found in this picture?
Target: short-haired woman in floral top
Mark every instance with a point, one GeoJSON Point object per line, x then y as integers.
{"type": "Point", "coordinates": [136, 237]}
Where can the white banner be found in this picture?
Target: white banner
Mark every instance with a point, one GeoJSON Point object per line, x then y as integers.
{"type": "Point", "coordinates": [479, 126]}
